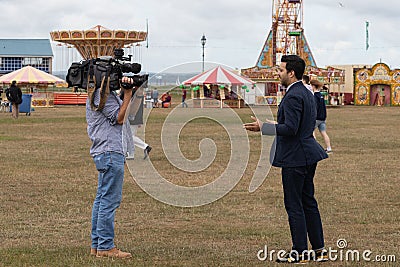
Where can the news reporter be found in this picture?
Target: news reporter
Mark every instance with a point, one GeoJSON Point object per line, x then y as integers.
{"type": "Point", "coordinates": [297, 153]}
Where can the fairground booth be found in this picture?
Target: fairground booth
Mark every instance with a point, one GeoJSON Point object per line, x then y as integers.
{"type": "Point", "coordinates": [219, 87]}
{"type": "Point", "coordinates": [35, 82]}
{"type": "Point", "coordinates": [377, 86]}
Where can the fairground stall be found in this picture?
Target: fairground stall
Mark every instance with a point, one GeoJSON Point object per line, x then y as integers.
{"type": "Point", "coordinates": [38, 83]}
{"type": "Point", "coordinates": [377, 86]}
{"type": "Point", "coordinates": [268, 90]}
{"type": "Point", "coordinates": [219, 87]}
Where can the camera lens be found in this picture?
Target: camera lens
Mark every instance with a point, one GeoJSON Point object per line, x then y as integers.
{"type": "Point", "coordinates": [131, 67]}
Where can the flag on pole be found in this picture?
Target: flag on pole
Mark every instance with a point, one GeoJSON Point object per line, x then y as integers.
{"type": "Point", "coordinates": [367, 35]}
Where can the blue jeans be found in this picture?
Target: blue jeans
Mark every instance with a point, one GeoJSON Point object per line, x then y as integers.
{"type": "Point", "coordinates": [110, 166]}
{"type": "Point", "coordinates": [302, 207]}
{"type": "Point", "coordinates": [183, 102]}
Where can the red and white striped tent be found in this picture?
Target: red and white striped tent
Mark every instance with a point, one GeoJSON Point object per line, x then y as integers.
{"type": "Point", "coordinates": [218, 75]}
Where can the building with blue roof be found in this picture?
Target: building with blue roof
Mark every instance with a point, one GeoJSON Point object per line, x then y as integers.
{"type": "Point", "coordinates": [18, 53]}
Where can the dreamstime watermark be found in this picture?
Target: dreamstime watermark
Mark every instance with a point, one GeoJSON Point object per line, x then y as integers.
{"type": "Point", "coordinates": [152, 181]}
{"type": "Point", "coordinates": [340, 253]}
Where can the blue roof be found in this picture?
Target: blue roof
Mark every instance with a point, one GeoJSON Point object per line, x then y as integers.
{"type": "Point", "coordinates": [25, 47]}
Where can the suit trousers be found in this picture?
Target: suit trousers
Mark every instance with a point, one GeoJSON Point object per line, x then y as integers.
{"type": "Point", "coordinates": [302, 208]}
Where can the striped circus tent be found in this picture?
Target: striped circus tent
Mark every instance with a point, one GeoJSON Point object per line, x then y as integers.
{"type": "Point", "coordinates": [30, 75]}
{"type": "Point", "coordinates": [218, 75]}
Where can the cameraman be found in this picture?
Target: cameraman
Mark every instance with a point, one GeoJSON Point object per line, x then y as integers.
{"type": "Point", "coordinates": [105, 131]}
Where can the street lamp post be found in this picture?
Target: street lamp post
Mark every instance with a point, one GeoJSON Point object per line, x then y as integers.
{"type": "Point", "coordinates": [203, 43]}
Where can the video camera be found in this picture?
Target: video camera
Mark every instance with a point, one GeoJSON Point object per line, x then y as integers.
{"type": "Point", "coordinates": [115, 68]}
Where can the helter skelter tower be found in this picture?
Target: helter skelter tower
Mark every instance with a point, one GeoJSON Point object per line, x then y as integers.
{"type": "Point", "coordinates": [285, 37]}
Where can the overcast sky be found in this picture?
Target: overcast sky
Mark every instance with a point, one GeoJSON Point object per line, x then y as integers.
{"type": "Point", "coordinates": [235, 30]}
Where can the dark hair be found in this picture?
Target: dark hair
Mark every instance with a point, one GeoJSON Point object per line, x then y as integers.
{"type": "Point", "coordinates": [14, 82]}
{"type": "Point", "coordinates": [296, 64]}
{"type": "Point", "coordinates": [306, 78]}
{"type": "Point", "coordinates": [316, 83]}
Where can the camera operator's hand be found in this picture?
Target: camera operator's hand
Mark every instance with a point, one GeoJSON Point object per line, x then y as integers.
{"type": "Point", "coordinates": [127, 98]}
{"type": "Point", "coordinates": [127, 83]}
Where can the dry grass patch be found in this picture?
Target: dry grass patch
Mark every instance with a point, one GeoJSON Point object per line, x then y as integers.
{"type": "Point", "coordinates": [48, 183]}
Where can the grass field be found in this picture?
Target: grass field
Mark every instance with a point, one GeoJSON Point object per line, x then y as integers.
{"type": "Point", "coordinates": [48, 183]}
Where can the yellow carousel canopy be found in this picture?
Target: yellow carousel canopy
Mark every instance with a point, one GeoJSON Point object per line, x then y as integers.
{"type": "Point", "coordinates": [98, 41]}
{"type": "Point", "coordinates": [30, 75]}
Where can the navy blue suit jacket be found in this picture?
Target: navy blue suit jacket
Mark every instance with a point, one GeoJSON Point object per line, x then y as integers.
{"type": "Point", "coordinates": [295, 143]}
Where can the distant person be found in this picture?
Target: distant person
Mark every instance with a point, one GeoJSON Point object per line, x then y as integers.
{"type": "Point", "coordinates": [136, 122]}
{"type": "Point", "coordinates": [217, 95]}
{"type": "Point", "coordinates": [206, 90]}
{"type": "Point", "coordinates": [306, 82]}
{"type": "Point", "coordinates": [184, 92]}
{"type": "Point", "coordinates": [321, 113]}
{"type": "Point", "coordinates": [14, 95]}
{"type": "Point", "coordinates": [232, 95]}
{"type": "Point", "coordinates": [166, 99]}
{"type": "Point", "coordinates": [154, 96]}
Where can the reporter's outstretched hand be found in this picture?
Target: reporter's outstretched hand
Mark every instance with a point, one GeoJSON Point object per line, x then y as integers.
{"type": "Point", "coordinates": [253, 126]}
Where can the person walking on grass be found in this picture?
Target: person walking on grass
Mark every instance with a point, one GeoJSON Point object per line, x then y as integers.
{"type": "Point", "coordinates": [184, 93]}
{"type": "Point", "coordinates": [321, 114]}
{"type": "Point", "coordinates": [297, 153]}
{"type": "Point", "coordinates": [154, 96]}
{"type": "Point", "coordinates": [136, 121]}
